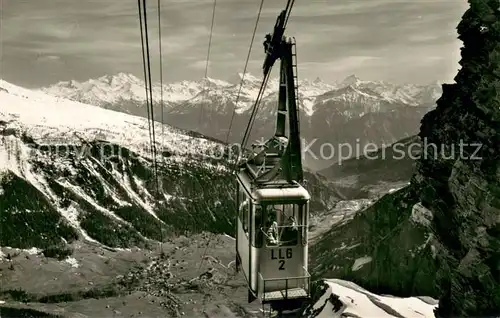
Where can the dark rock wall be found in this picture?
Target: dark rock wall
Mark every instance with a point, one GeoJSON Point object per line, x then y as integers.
{"type": "Point", "coordinates": [459, 176]}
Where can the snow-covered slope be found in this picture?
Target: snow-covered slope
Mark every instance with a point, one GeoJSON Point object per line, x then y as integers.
{"type": "Point", "coordinates": [87, 172]}
{"type": "Point", "coordinates": [346, 299]}
{"type": "Point", "coordinates": [59, 120]}
{"type": "Point", "coordinates": [75, 170]}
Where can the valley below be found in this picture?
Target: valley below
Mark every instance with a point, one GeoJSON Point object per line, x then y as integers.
{"type": "Point", "coordinates": [184, 277]}
{"type": "Point", "coordinates": [99, 282]}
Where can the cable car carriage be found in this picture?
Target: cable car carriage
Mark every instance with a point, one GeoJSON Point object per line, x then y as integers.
{"type": "Point", "coordinates": [273, 207]}
{"type": "Point", "coordinates": [272, 240]}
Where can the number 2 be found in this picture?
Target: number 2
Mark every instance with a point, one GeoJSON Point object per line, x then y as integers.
{"type": "Point", "coordinates": [282, 265]}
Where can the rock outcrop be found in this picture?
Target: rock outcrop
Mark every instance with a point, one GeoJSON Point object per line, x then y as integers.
{"type": "Point", "coordinates": [458, 174]}
{"type": "Point", "coordinates": [451, 209]}
{"type": "Point", "coordinates": [384, 248]}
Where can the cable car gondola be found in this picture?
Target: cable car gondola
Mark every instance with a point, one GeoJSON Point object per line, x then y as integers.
{"type": "Point", "coordinates": [273, 207]}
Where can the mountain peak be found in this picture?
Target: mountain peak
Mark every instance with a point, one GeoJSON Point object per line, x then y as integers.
{"type": "Point", "coordinates": [119, 79]}
{"type": "Point", "coordinates": [248, 78]}
{"type": "Point", "coordinates": [351, 80]}
{"type": "Point", "coordinates": [317, 81]}
{"type": "Point", "coordinates": [212, 82]}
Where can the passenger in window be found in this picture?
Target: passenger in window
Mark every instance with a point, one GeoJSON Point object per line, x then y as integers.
{"type": "Point", "coordinates": [290, 232]}
{"type": "Point", "coordinates": [293, 223]}
{"type": "Point", "coordinates": [272, 232]}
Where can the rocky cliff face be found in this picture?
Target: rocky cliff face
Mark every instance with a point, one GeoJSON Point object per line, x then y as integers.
{"type": "Point", "coordinates": [384, 248]}
{"type": "Point", "coordinates": [461, 184]}
{"type": "Point", "coordinates": [454, 196]}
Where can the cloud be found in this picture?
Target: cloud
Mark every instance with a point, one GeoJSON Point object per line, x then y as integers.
{"type": "Point", "coordinates": [343, 65]}
{"type": "Point", "coordinates": [49, 58]}
{"type": "Point", "coordinates": [373, 37]}
{"type": "Point", "coordinates": [200, 65]}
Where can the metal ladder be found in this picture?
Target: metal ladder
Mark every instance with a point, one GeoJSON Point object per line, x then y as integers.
{"type": "Point", "coordinates": [296, 78]}
{"type": "Point", "coordinates": [296, 83]}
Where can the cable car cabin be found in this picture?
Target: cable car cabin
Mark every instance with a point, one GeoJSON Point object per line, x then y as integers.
{"type": "Point", "coordinates": [273, 208]}
{"type": "Point", "coordinates": [272, 240]}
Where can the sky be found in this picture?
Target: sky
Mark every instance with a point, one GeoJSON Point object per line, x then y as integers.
{"type": "Point", "coordinates": [43, 42]}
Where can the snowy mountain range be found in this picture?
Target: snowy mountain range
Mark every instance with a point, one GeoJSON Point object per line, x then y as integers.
{"type": "Point", "coordinates": [127, 87]}
{"type": "Point", "coordinates": [351, 111]}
